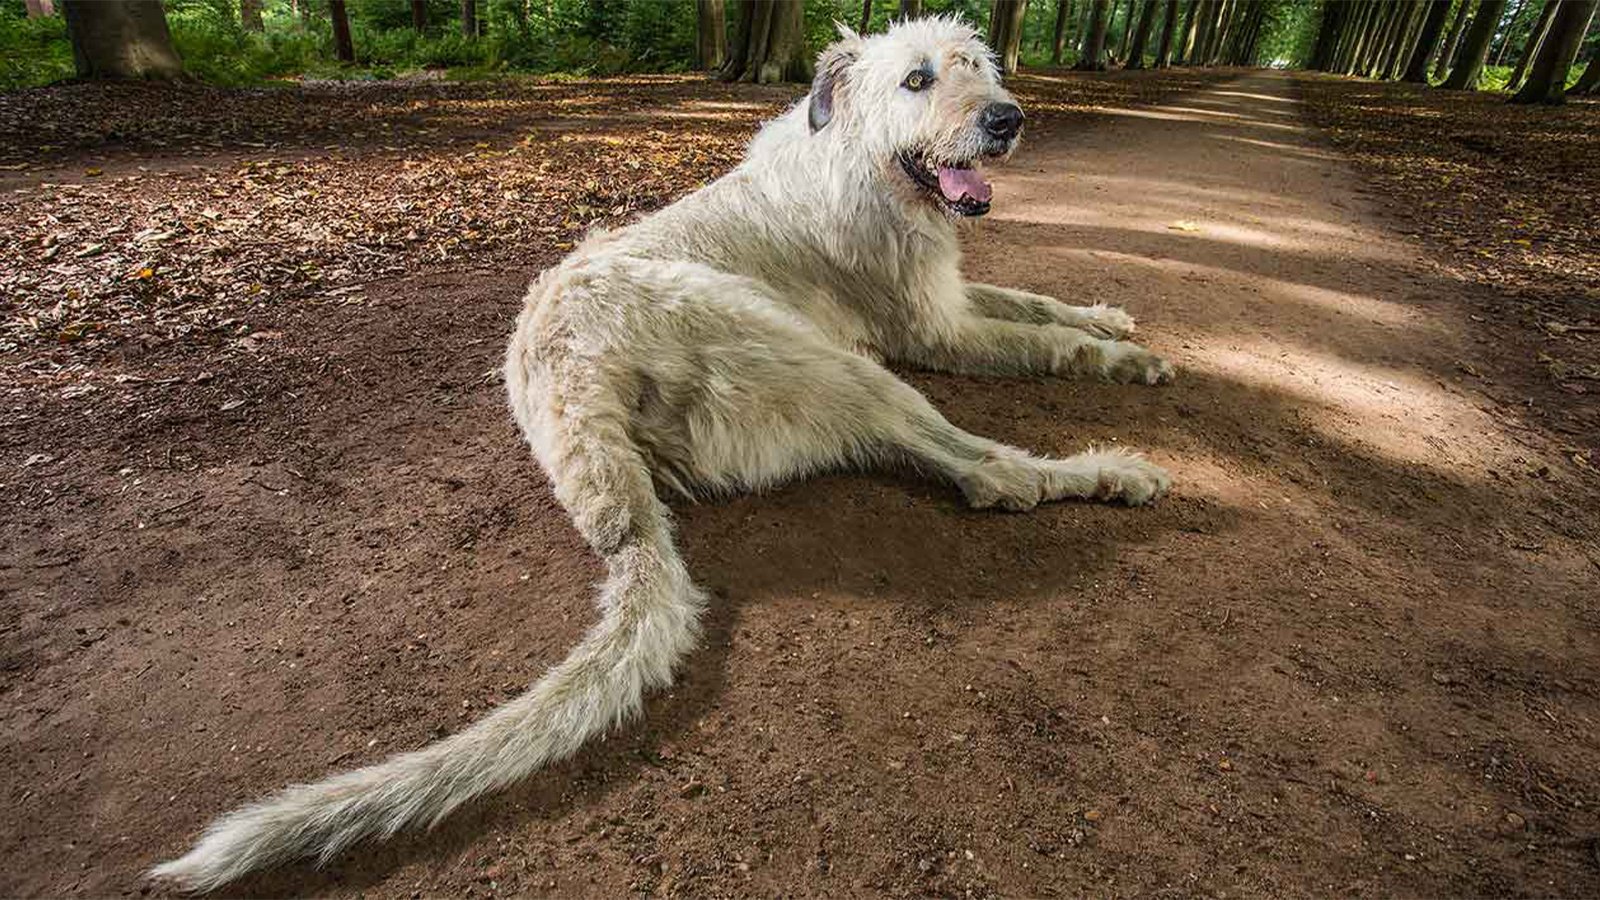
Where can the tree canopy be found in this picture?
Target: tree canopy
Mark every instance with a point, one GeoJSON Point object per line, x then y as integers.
{"type": "Point", "coordinates": [1535, 50]}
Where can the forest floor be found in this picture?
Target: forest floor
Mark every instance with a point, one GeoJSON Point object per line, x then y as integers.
{"type": "Point", "coordinates": [266, 514]}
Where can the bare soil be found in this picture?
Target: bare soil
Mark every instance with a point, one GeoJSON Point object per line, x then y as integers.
{"type": "Point", "coordinates": [1353, 653]}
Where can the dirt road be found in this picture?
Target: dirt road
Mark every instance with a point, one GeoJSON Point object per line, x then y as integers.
{"type": "Point", "coordinates": [1353, 653]}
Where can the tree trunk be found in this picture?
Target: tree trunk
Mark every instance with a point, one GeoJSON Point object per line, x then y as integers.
{"type": "Point", "coordinates": [1511, 24]}
{"type": "Point", "coordinates": [1394, 55]}
{"type": "Point", "coordinates": [1589, 81]}
{"type": "Point", "coordinates": [1141, 35]}
{"type": "Point", "coordinates": [1203, 22]}
{"type": "Point", "coordinates": [1327, 35]}
{"type": "Point", "coordinates": [1452, 41]}
{"type": "Point", "coordinates": [419, 15]}
{"type": "Point", "coordinates": [1094, 45]}
{"type": "Point", "coordinates": [769, 43]}
{"type": "Point", "coordinates": [1344, 56]}
{"type": "Point", "coordinates": [1381, 40]}
{"type": "Point", "coordinates": [1218, 29]}
{"type": "Point", "coordinates": [250, 15]}
{"type": "Point", "coordinates": [866, 16]}
{"type": "Point", "coordinates": [1214, 34]}
{"type": "Point", "coordinates": [1371, 41]}
{"type": "Point", "coordinates": [1417, 68]}
{"type": "Point", "coordinates": [1059, 46]}
{"type": "Point", "coordinates": [121, 39]}
{"type": "Point", "coordinates": [1127, 29]}
{"type": "Point", "coordinates": [1227, 29]}
{"type": "Point", "coordinates": [1169, 24]}
{"type": "Point", "coordinates": [1547, 79]}
{"type": "Point", "coordinates": [1530, 50]}
{"type": "Point", "coordinates": [469, 18]}
{"type": "Point", "coordinates": [342, 47]}
{"type": "Point", "coordinates": [1242, 34]}
{"type": "Point", "coordinates": [1475, 47]}
{"type": "Point", "coordinates": [910, 9]}
{"type": "Point", "coordinates": [1185, 46]}
{"type": "Point", "coordinates": [711, 34]}
{"type": "Point", "coordinates": [1005, 32]}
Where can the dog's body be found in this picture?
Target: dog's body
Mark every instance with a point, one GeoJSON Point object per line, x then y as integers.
{"type": "Point", "coordinates": [728, 342]}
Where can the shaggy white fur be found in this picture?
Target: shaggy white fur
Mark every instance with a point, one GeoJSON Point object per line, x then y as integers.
{"type": "Point", "coordinates": [729, 342]}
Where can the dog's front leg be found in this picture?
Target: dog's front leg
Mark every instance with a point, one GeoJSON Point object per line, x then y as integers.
{"type": "Point", "coordinates": [1037, 309]}
{"type": "Point", "coordinates": [970, 344]}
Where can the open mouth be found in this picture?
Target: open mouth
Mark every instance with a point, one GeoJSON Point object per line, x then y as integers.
{"type": "Point", "coordinates": [958, 186]}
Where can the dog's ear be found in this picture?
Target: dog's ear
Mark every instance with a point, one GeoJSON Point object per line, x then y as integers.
{"type": "Point", "coordinates": [832, 68]}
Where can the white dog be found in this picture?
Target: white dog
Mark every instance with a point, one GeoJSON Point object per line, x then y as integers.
{"type": "Point", "coordinates": [729, 342]}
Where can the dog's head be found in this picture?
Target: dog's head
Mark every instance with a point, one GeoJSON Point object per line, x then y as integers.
{"type": "Point", "coordinates": [924, 102]}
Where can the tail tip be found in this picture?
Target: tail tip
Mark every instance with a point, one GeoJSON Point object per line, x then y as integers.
{"type": "Point", "coordinates": [185, 874]}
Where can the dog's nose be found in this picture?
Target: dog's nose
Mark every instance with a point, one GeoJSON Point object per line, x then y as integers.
{"type": "Point", "coordinates": [1002, 121]}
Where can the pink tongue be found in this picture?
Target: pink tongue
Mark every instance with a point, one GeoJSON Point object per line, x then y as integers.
{"type": "Point", "coordinates": [958, 183]}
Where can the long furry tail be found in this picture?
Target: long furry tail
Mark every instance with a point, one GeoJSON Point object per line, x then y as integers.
{"type": "Point", "coordinates": [650, 619]}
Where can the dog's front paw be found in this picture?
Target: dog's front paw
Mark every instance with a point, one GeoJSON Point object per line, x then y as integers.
{"type": "Point", "coordinates": [1131, 479]}
{"type": "Point", "coordinates": [1133, 364]}
{"type": "Point", "coordinates": [1103, 321]}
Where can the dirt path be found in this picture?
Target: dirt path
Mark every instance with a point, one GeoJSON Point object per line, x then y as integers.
{"type": "Point", "coordinates": [1354, 653]}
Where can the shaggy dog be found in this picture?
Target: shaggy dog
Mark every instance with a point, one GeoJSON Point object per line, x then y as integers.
{"type": "Point", "coordinates": [730, 342]}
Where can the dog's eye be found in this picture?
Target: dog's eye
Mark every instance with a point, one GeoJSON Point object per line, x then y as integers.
{"type": "Point", "coordinates": [917, 80]}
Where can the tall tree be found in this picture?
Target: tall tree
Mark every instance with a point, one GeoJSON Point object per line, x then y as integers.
{"type": "Point", "coordinates": [1432, 26]}
{"type": "Point", "coordinates": [1547, 79]}
{"type": "Point", "coordinates": [1204, 21]}
{"type": "Point", "coordinates": [1589, 81]}
{"type": "Point", "coordinates": [1350, 43]}
{"type": "Point", "coordinates": [769, 43]}
{"type": "Point", "coordinates": [1452, 41]}
{"type": "Point", "coordinates": [121, 39]}
{"type": "Point", "coordinates": [1511, 26]}
{"type": "Point", "coordinates": [1380, 37]}
{"type": "Point", "coordinates": [1141, 34]}
{"type": "Point", "coordinates": [711, 34]}
{"type": "Point", "coordinates": [910, 9]}
{"type": "Point", "coordinates": [1127, 29]}
{"type": "Point", "coordinates": [1372, 38]}
{"type": "Point", "coordinates": [1185, 52]}
{"type": "Point", "coordinates": [1475, 46]}
{"type": "Point", "coordinates": [1328, 29]}
{"type": "Point", "coordinates": [1005, 31]}
{"type": "Point", "coordinates": [342, 45]}
{"type": "Point", "coordinates": [469, 18]}
{"type": "Point", "coordinates": [1399, 38]}
{"type": "Point", "coordinates": [1094, 44]}
{"type": "Point", "coordinates": [1530, 49]}
{"type": "Point", "coordinates": [866, 16]}
{"type": "Point", "coordinates": [250, 15]}
{"type": "Point", "coordinates": [1168, 25]}
{"type": "Point", "coordinates": [419, 15]}
{"type": "Point", "coordinates": [1059, 46]}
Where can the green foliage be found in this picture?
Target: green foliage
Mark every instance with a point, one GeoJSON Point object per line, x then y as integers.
{"type": "Point", "coordinates": [32, 51]}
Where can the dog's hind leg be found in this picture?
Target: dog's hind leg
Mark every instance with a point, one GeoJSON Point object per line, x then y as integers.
{"type": "Point", "coordinates": [1013, 305]}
